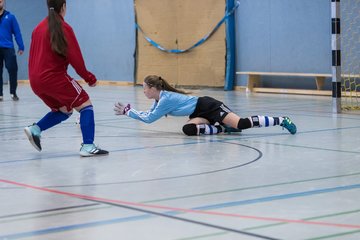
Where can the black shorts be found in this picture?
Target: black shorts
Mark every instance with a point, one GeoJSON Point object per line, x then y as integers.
{"type": "Point", "coordinates": [211, 109]}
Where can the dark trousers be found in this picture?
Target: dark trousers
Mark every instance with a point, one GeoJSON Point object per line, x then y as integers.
{"type": "Point", "coordinates": [8, 56]}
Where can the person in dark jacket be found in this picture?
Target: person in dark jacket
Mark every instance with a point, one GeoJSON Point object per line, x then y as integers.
{"type": "Point", "coordinates": [9, 27]}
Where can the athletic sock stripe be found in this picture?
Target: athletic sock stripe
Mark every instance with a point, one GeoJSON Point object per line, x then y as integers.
{"type": "Point", "coordinates": [211, 130]}
{"type": "Point", "coordinates": [90, 107]}
{"type": "Point", "coordinates": [266, 121]}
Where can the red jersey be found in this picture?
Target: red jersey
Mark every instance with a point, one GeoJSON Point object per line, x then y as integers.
{"type": "Point", "coordinates": [48, 70]}
{"type": "Point", "coordinates": [46, 65]}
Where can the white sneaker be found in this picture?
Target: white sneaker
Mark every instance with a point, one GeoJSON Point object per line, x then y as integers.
{"type": "Point", "coordinates": [89, 150]}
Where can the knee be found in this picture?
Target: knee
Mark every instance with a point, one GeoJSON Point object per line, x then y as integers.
{"type": "Point", "coordinates": [244, 123]}
{"type": "Point", "coordinates": [190, 129]}
{"type": "Point", "coordinates": [65, 115]}
{"type": "Point", "coordinates": [65, 111]}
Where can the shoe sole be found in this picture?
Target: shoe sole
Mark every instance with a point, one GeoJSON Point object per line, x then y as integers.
{"type": "Point", "coordinates": [31, 139]}
{"type": "Point", "coordinates": [294, 132]}
{"type": "Point", "coordinates": [92, 155]}
{"type": "Point", "coordinates": [100, 152]}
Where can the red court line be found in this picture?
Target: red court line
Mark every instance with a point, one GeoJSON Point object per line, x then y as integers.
{"type": "Point", "coordinates": [185, 210]}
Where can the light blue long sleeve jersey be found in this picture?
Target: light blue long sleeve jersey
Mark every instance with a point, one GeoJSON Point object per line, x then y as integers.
{"type": "Point", "coordinates": [170, 103]}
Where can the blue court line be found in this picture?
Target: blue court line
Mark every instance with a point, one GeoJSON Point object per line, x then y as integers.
{"type": "Point", "coordinates": [238, 137]}
{"type": "Point", "coordinates": [279, 197]}
{"type": "Point", "coordinates": [233, 137]}
{"type": "Point", "coordinates": [208, 207]}
{"type": "Point", "coordinates": [74, 227]}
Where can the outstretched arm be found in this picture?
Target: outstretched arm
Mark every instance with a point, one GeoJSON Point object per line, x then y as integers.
{"type": "Point", "coordinates": [157, 111]}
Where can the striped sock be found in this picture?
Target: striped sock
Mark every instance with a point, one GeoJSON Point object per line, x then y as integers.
{"type": "Point", "coordinates": [265, 121]}
{"type": "Point", "coordinates": [208, 129]}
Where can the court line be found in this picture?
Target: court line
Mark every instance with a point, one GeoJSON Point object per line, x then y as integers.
{"type": "Point", "coordinates": [334, 235]}
{"type": "Point", "coordinates": [201, 210]}
{"type": "Point", "coordinates": [177, 176]}
{"type": "Point", "coordinates": [307, 147]}
{"type": "Point", "coordinates": [73, 227]}
{"type": "Point", "coordinates": [306, 219]}
{"type": "Point", "coordinates": [205, 194]}
{"type": "Point", "coordinates": [196, 195]}
{"type": "Point", "coordinates": [281, 197]}
{"type": "Point", "coordinates": [49, 210]}
{"type": "Point", "coordinates": [122, 204]}
{"type": "Point", "coordinates": [203, 236]}
{"type": "Point", "coordinates": [279, 224]}
{"type": "Point", "coordinates": [50, 213]}
{"type": "Point", "coordinates": [128, 149]}
{"type": "Point", "coordinates": [224, 140]}
{"type": "Point", "coordinates": [252, 187]}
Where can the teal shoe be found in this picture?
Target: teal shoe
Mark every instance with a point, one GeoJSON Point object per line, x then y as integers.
{"type": "Point", "coordinates": [33, 133]}
{"type": "Point", "coordinates": [289, 125]}
{"type": "Point", "coordinates": [229, 130]}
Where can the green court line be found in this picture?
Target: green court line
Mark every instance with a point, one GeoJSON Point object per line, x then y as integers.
{"type": "Point", "coordinates": [256, 187]}
{"type": "Point", "coordinates": [334, 235]}
{"type": "Point", "coordinates": [307, 147]}
{"type": "Point", "coordinates": [249, 188]}
{"type": "Point", "coordinates": [203, 236]}
{"type": "Point", "coordinates": [305, 219]}
{"type": "Point", "coordinates": [41, 215]}
{"type": "Point", "coordinates": [283, 223]}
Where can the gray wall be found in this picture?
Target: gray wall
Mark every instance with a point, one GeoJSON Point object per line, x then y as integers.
{"type": "Point", "coordinates": [28, 16]}
{"type": "Point", "coordinates": [272, 35]}
{"type": "Point", "coordinates": [284, 36]}
{"type": "Point", "coordinates": [105, 31]}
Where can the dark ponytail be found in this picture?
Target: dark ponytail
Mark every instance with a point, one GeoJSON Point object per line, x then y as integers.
{"type": "Point", "coordinates": [57, 38]}
{"type": "Point", "coordinates": [161, 84]}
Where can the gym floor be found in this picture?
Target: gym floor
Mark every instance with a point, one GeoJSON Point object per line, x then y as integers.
{"type": "Point", "coordinates": [159, 184]}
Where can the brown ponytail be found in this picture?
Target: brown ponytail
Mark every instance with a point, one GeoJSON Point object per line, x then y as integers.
{"type": "Point", "coordinates": [57, 39]}
{"type": "Point", "coordinates": [161, 84]}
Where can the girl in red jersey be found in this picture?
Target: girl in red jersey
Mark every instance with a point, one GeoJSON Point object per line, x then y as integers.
{"type": "Point", "coordinates": [53, 47]}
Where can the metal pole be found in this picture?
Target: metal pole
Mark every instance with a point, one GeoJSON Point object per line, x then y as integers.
{"type": "Point", "coordinates": [230, 47]}
{"type": "Point", "coordinates": [336, 55]}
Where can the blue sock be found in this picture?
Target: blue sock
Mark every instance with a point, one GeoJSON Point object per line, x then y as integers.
{"type": "Point", "coordinates": [87, 124]}
{"type": "Point", "coordinates": [51, 119]}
